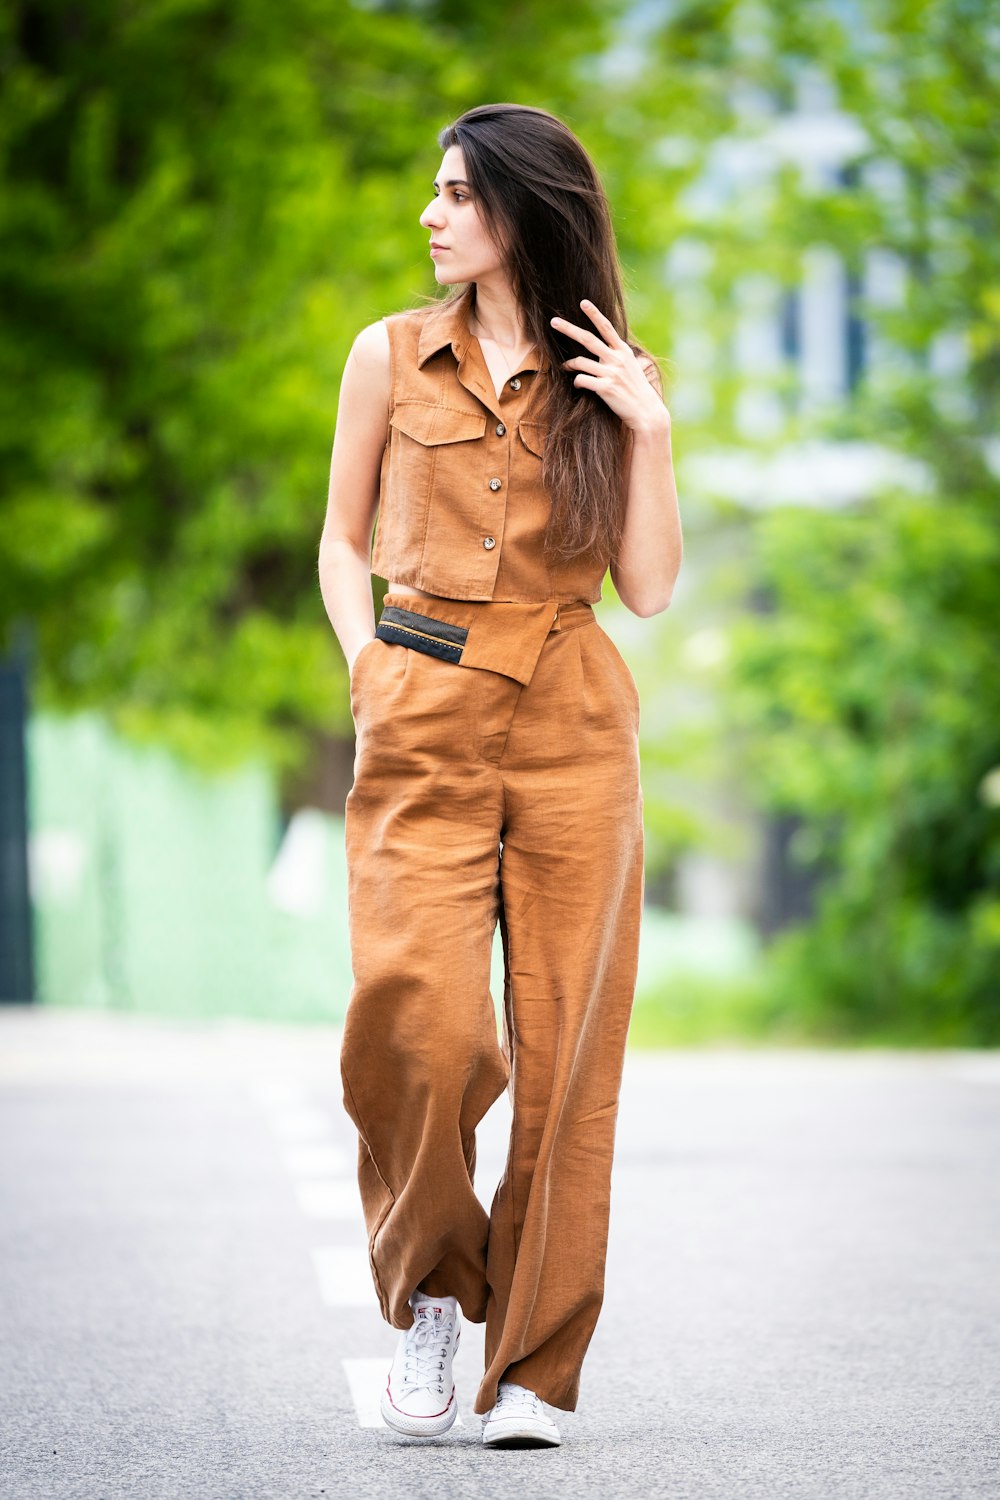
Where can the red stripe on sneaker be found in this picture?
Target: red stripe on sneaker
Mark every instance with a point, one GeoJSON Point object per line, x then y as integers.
{"type": "Point", "coordinates": [424, 1416]}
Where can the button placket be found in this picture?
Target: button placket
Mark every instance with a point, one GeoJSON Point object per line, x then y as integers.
{"type": "Point", "coordinates": [495, 483]}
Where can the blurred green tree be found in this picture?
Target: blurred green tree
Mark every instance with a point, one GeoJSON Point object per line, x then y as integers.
{"type": "Point", "coordinates": [863, 687]}
{"type": "Point", "coordinates": [200, 205]}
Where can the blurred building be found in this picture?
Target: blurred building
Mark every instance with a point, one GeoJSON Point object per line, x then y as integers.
{"type": "Point", "coordinates": [795, 356]}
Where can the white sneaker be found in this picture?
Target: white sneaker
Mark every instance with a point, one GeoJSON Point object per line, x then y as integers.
{"type": "Point", "coordinates": [519, 1420]}
{"type": "Point", "coordinates": [419, 1397]}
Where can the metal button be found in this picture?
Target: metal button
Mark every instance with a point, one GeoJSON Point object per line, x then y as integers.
{"type": "Point", "coordinates": [501, 429]}
{"type": "Point", "coordinates": [489, 541]}
{"type": "Point", "coordinates": [515, 384]}
{"type": "Point", "coordinates": [496, 484]}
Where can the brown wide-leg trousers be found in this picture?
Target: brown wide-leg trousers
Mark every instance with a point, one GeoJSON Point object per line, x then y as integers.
{"type": "Point", "coordinates": [500, 788]}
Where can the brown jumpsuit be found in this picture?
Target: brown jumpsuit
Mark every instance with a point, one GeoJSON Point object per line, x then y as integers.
{"type": "Point", "coordinates": [496, 780]}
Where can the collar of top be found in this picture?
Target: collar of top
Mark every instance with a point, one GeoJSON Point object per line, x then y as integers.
{"type": "Point", "coordinates": [448, 324]}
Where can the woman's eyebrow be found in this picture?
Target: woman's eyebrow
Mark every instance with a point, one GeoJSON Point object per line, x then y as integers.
{"type": "Point", "coordinates": [452, 182]}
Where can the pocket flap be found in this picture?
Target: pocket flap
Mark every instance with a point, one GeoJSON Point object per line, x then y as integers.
{"type": "Point", "coordinates": [532, 435]}
{"type": "Point", "coordinates": [432, 425]}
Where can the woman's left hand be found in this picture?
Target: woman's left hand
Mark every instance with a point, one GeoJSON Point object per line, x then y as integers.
{"type": "Point", "coordinates": [614, 372]}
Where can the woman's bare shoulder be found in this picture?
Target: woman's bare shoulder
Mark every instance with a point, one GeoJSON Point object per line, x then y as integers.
{"type": "Point", "coordinates": [367, 379]}
{"type": "Point", "coordinates": [370, 349]}
{"type": "Point", "coordinates": [371, 352]}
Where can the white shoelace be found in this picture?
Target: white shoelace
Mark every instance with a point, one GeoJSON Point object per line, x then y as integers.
{"type": "Point", "coordinates": [426, 1346]}
{"type": "Point", "coordinates": [518, 1397]}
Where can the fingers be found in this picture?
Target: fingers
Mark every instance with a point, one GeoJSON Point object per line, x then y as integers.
{"type": "Point", "coordinates": [581, 362]}
{"type": "Point", "coordinates": [605, 325]}
{"type": "Point", "coordinates": [582, 335]}
{"type": "Point", "coordinates": [585, 337]}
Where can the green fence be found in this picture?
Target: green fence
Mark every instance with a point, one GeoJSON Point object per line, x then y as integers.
{"type": "Point", "coordinates": [158, 888]}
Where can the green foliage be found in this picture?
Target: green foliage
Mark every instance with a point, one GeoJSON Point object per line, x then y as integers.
{"type": "Point", "coordinates": [694, 1010]}
{"type": "Point", "coordinates": [200, 206]}
{"type": "Point", "coordinates": [868, 702]}
{"type": "Point", "coordinates": [863, 689]}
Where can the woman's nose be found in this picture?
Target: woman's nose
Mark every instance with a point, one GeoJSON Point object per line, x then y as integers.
{"type": "Point", "coordinates": [430, 217]}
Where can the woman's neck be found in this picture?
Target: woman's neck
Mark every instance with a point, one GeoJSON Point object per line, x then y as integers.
{"type": "Point", "coordinates": [497, 314]}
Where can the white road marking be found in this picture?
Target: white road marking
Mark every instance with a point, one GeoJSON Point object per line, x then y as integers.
{"type": "Point", "coordinates": [330, 1198]}
{"type": "Point", "coordinates": [325, 1182]}
{"type": "Point", "coordinates": [344, 1274]}
{"type": "Point", "coordinates": [367, 1378]}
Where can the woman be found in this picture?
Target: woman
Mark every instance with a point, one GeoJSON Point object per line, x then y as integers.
{"type": "Point", "coordinates": [513, 444]}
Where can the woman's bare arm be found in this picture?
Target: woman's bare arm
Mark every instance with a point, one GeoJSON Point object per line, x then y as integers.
{"type": "Point", "coordinates": [652, 544]}
{"type": "Point", "coordinates": [358, 444]}
{"type": "Point", "coordinates": [652, 547]}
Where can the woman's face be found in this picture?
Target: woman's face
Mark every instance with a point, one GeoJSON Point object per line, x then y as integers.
{"type": "Point", "coordinates": [466, 251]}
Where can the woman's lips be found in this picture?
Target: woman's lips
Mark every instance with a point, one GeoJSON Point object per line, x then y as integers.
{"type": "Point", "coordinates": [439, 250]}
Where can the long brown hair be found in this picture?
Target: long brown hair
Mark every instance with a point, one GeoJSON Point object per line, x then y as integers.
{"type": "Point", "coordinates": [544, 205]}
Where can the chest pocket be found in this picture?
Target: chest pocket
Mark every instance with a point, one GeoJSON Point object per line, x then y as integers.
{"type": "Point", "coordinates": [433, 426]}
{"type": "Point", "coordinates": [435, 449]}
{"type": "Point", "coordinates": [437, 458]}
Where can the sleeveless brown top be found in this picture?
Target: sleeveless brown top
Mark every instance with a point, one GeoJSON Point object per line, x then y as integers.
{"type": "Point", "coordinates": [462, 508]}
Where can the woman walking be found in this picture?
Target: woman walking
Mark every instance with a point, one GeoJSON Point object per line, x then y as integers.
{"type": "Point", "coordinates": [513, 444]}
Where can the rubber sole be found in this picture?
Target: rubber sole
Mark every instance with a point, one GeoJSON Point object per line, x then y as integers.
{"type": "Point", "coordinates": [409, 1426]}
{"type": "Point", "coordinates": [521, 1436]}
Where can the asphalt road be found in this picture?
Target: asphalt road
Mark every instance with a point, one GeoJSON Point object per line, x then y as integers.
{"type": "Point", "coordinates": [803, 1287]}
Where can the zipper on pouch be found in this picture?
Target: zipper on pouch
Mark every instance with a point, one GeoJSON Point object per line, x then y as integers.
{"type": "Point", "coordinates": [391, 624]}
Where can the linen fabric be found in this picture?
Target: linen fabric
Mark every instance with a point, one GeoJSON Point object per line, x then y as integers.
{"type": "Point", "coordinates": [501, 789]}
{"type": "Point", "coordinates": [462, 508]}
